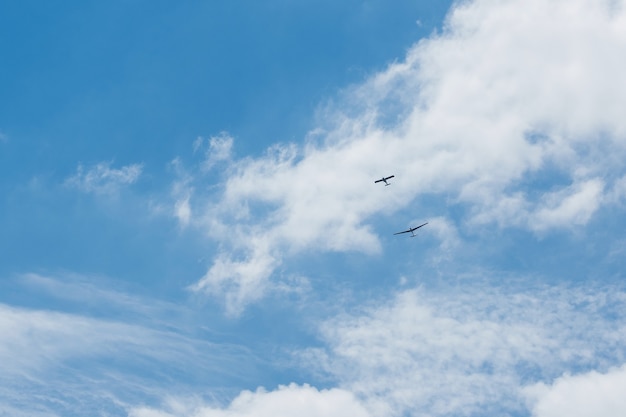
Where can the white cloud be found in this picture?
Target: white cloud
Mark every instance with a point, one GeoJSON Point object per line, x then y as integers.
{"type": "Point", "coordinates": [286, 401]}
{"type": "Point", "coordinates": [59, 363]}
{"type": "Point", "coordinates": [568, 207]}
{"type": "Point", "coordinates": [572, 206]}
{"type": "Point", "coordinates": [182, 191]}
{"type": "Point", "coordinates": [590, 394]}
{"type": "Point", "coordinates": [472, 351]}
{"type": "Point", "coordinates": [240, 281]}
{"type": "Point", "coordinates": [35, 339]}
{"type": "Point", "coordinates": [182, 210]}
{"type": "Point", "coordinates": [446, 232]}
{"type": "Point", "coordinates": [102, 179]}
{"type": "Point", "coordinates": [475, 350]}
{"type": "Point", "coordinates": [617, 195]}
{"type": "Point", "coordinates": [219, 149]}
{"type": "Point", "coordinates": [81, 290]}
{"type": "Point", "coordinates": [215, 149]}
{"type": "Point", "coordinates": [483, 115]}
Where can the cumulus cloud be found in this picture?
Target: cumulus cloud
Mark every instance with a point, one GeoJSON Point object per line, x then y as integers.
{"type": "Point", "coordinates": [589, 394]}
{"type": "Point", "coordinates": [286, 401]}
{"type": "Point", "coordinates": [512, 112]}
{"type": "Point", "coordinates": [102, 179]}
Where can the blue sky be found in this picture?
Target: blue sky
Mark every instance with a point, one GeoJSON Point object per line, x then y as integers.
{"type": "Point", "coordinates": [190, 225]}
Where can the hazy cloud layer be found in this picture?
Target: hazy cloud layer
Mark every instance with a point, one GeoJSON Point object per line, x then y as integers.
{"type": "Point", "coordinates": [474, 351]}
{"type": "Point", "coordinates": [513, 113]}
{"type": "Point", "coordinates": [471, 351]}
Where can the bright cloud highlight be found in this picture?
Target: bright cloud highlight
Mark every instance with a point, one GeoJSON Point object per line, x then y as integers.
{"type": "Point", "coordinates": [590, 394]}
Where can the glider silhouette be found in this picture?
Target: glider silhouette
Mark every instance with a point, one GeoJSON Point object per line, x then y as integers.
{"type": "Point", "coordinates": [411, 230]}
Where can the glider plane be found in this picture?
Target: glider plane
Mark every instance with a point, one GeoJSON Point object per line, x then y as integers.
{"type": "Point", "coordinates": [411, 230]}
{"type": "Point", "coordinates": [384, 179]}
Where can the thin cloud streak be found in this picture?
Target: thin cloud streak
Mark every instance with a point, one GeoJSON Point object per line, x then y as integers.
{"type": "Point", "coordinates": [79, 291]}
{"type": "Point", "coordinates": [73, 362]}
{"type": "Point", "coordinates": [102, 179]}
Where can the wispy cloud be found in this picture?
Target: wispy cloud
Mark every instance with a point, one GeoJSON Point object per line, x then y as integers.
{"type": "Point", "coordinates": [482, 115]}
{"type": "Point", "coordinates": [477, 350]}
{"type": "Point", "coordinates": [181, 192]}
{"type": "Point", "coordinates": [216, 149]}
{"type": "Point", "coordinates": [102, 179]}
{"type": "Point", "coordinates": [77, 290]}
{"type": "Point", "coordinates": [569, 207]}
{"type": "Point", "coordinates": [474, 351]}
{"type": "Point", "coordinates": [66, 363]}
